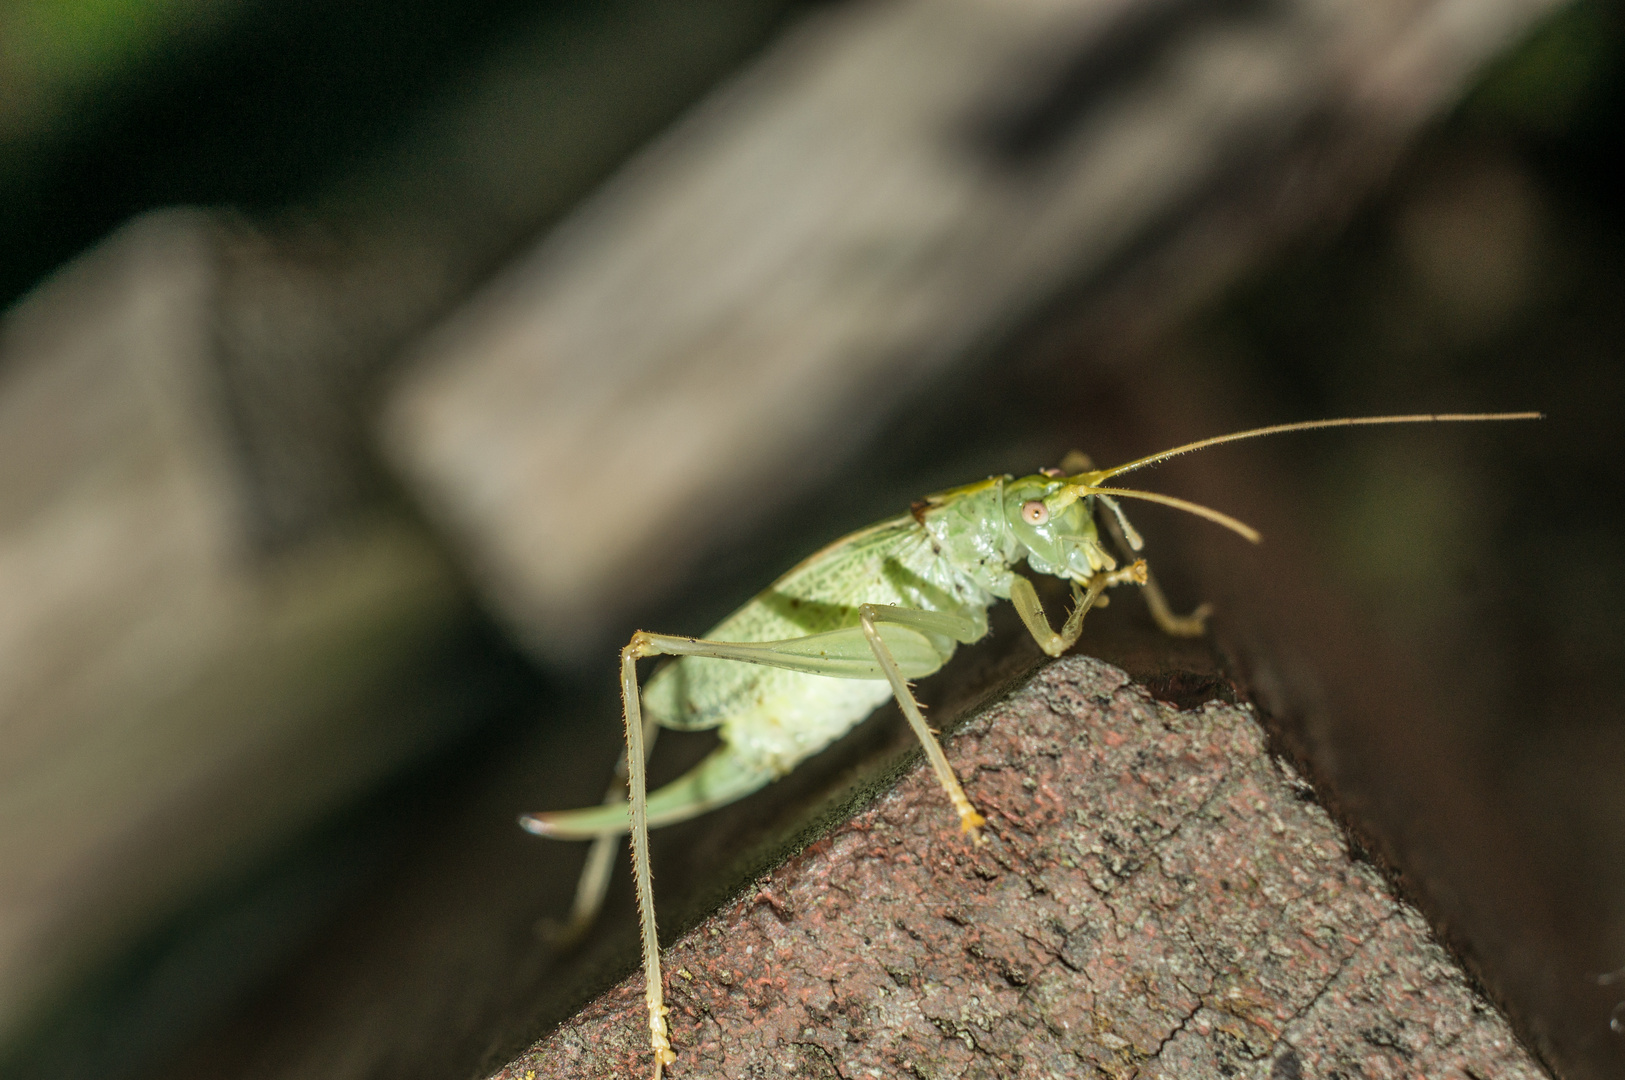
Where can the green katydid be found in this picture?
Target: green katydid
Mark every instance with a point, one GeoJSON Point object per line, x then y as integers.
{"type": "Point", "coordinates": [808, 658]}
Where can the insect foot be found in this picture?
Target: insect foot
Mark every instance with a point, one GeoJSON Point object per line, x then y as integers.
{"type": "Point", "coordinates": [661, 1043]}
{"type": "Point", "coordinates": [970, 822]}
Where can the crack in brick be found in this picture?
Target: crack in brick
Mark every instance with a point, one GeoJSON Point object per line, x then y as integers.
{"type": "Point", "coordinates": [1178, 1029]}
{"type": "Point", "coordinates": [1320, 991]}
{"type": "Point", "coordinates": [1159, 849]}
{"type": "Point", "coordinates": [827, 1065]}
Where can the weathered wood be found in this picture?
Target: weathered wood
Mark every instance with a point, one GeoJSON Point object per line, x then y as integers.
{"type": "Point", "coordinates": [1158, 897]}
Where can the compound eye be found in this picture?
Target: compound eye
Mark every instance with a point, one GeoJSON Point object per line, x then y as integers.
{"type": "Point", "coordinates": [1034, 512]}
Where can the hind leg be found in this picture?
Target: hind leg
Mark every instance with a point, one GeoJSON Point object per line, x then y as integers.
{"type": "Point", "coordinates": [593, 884]}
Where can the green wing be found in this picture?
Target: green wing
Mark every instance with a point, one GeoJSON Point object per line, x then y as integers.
{"type": "Point", "coordinates": [819, 594]}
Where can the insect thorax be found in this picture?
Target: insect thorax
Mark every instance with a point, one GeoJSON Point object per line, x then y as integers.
{"type": "Point", "coordinates": [981, 530]}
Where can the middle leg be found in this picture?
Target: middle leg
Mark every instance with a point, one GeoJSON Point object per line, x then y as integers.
{"type": "Point", "coordinates": [870, 617]}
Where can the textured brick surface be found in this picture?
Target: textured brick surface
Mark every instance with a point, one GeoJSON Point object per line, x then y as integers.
{"type": "Point", "coordinates": [1157, 898]}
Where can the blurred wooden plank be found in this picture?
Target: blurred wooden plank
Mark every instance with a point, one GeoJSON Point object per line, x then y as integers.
{"type": "Point", "coordinates": [892, 187]}
{"type": "Point", "coordinates": [175, 703]}
{"type": "Point", "coordinates": [1159, 898]}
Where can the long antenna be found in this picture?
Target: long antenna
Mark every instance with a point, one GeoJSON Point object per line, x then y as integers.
{"type": "Point", "coordinates": [1239, 527]}
{"type": "Point", "coordinates": [1093, 478]}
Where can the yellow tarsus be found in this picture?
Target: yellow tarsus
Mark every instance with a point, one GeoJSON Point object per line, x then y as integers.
{"type": "Point", "coordinates": [970, 823]}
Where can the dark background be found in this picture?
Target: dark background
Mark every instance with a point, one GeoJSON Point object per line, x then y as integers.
{"type": "Point", "coordinates": [1486, 566]}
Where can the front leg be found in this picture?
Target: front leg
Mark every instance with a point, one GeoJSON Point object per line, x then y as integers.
{"type": "Point", "coordinates": [1031, 609]}
{"type": "Point", "coordinates": [1192, 625]}
{"type": "Point", "coordinates": [1128, 541]}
